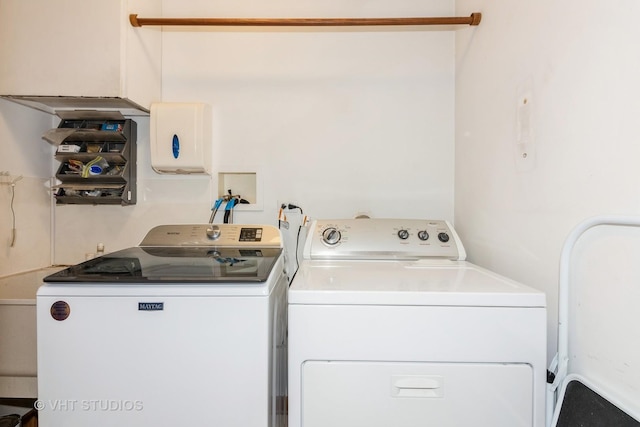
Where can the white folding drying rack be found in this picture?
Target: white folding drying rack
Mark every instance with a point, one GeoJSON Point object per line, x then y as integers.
{"type": "Point", "coordinates": [559, 364]}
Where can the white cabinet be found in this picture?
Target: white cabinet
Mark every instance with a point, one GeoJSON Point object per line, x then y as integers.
{"type": "Point", "coordinates": [80, 54]}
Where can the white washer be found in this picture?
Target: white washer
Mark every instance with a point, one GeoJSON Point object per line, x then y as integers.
{"type": "Point", "coordinates": [389, 326]}
{"type": "Point", "coordinates": [187, 329]}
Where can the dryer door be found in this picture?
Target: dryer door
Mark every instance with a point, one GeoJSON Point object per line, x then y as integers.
{"type": "Point", "coordinates": [401, 394]}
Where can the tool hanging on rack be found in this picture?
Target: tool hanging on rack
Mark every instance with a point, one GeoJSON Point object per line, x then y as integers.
{"type": "Point", "coordinates": [7, 179]}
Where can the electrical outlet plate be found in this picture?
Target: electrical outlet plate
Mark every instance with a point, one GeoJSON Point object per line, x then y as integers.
{"type": "Point", "coordinates": [525, 152]}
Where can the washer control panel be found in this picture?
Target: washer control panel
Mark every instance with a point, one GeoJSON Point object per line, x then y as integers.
{"type": "Point", "coordinates": [229, 235]}
{"type": "Point", "coordinates": [377, 238]}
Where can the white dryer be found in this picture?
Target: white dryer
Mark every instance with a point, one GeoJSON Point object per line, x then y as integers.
{"type": "Point", "coordinates": [389, 326]}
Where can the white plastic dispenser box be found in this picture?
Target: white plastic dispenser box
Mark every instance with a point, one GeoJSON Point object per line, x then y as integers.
{"type": "Point", "coordinates": [181, 138]}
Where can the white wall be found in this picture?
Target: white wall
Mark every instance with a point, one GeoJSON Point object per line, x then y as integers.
{"type": "Point", "coordinates": [24, 154]}
{"type": "Point", "coordinates": [337, 121]}
{"type": "Point", "coordinates": [577, 62]}
{"type": "Point", "coordinates": [342, 121]}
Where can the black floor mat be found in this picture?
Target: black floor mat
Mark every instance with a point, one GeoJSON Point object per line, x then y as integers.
{"type": "Point", "coordinates": [582, 407]}
{"type": "Point", "coordinates": [9, 420]}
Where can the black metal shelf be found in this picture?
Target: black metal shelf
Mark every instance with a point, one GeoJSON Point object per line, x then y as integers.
{"type": "Point", "coordinates": [110, 143]}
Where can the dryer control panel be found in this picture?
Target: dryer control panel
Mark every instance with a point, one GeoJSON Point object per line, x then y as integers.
{"type": "Point", "coordinates": [380, 239]}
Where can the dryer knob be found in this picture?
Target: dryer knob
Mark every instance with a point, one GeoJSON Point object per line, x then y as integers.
{"type": "Point", "coordinates": [423, 235]}
{"type": "Point", "coordinates": [443, 237]}
{"type": "Point", "coordinates": [331, 236]}
{"type": "Point", "coordinates": [403, 234]}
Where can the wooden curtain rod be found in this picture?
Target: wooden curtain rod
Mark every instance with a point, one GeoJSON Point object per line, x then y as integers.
{"type": "Point", "coordinates": [474, 19]}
